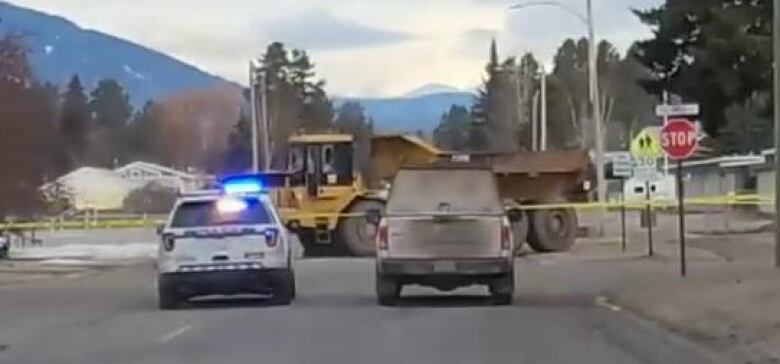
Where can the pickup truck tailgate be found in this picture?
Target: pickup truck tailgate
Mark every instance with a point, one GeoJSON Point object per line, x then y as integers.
{"type": "Point", "coordinates": [461, 236]}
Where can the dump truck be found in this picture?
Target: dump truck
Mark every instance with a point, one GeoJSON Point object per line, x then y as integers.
{"type": "Point", "coordinates": [323, 196]}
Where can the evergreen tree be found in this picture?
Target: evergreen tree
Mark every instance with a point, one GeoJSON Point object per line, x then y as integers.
{"type": "Point", "coordinates": [75, 121]}
{"type": "Point", "coordinates": [110, 104]}
{"type": "Point", "coordinates": [112, 112]}
{"type": "Point", "coordinates": [351, 119]}
{"type": "Point", "coordinates": [453, 133]}
{"type": "Point", "coordinates": [714, 52]}
{"type": "Point", "coordinates": [496, 107]}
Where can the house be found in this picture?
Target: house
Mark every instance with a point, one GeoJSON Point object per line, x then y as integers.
{"type": "Point", "coordinates": [89, 188]}
{"type": "Point", "coordinates": [145, 172]}
{"type": "Point", "coordinates": [721, 176]}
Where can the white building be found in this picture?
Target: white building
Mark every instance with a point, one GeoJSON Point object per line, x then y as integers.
{"type": "Point", "coordinates": [90, 188]}
{"type": "Point", "coordinates": [144, 172]}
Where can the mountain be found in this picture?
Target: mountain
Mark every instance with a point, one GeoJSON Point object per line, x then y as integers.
{"type": "Point", "coordinates": [60, 48]}
{"type": "Point", "coordinates": [409, 114]}
{"type": "Point", "coordinates": [431, 89]}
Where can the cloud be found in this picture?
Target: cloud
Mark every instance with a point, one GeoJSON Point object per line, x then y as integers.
{"type": "Point", "coordinates": [475, 42]}
{"type": "Point", "coordinates": [320, 30]}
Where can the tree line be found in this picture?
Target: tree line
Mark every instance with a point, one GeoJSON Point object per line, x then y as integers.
{"type": "Point", "coordinates": [297, 103]}
{"type": "Point", "coordinates": [717, 53]}
{"type": "Point", "coordinates": [49, 132]}
{"type": "Point", "coordinates": [508, 100]}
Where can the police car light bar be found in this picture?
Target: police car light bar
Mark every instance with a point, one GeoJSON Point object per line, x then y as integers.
{"type": "Point", "coordinates": [242, 185]}
{"type": "Point", "coordinates": [230, 205]}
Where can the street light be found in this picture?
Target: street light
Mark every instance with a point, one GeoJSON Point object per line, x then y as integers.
{"type": "Point", "coordinates": [593, 95]}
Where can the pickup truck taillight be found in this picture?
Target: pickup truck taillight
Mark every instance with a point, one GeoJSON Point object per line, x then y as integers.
{"type": "Point", "coordinates": [506, 237]}
{"type": "Point", "coordinates": [382, 235]}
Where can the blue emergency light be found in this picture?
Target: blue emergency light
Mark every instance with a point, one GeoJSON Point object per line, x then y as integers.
{"type": "Point", "coordinates": [242, 185]}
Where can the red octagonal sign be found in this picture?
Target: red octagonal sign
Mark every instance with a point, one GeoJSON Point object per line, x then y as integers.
{"type": "Point", "coordinates": [679, 139]}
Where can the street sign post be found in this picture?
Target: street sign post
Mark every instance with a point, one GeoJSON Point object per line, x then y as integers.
{"type": "Point", "coordinates": [677, 110]}
{"type": "Point", "coordinates": [679, 141]}
{"type": "Point", "coordinates": [622, 165]}
{"type": "Point", "coordinates": [646, 149]}
{"type": "Point", "coordinates": [622, 168]}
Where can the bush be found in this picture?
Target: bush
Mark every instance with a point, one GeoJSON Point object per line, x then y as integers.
{"type": "Point", "coordinates": [153, 198]}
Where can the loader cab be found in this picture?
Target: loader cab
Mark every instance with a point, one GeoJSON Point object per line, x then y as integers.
{"type": "Point", "coordinates": [321, 163]}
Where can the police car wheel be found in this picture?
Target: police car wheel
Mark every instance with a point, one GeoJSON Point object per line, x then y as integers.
{"type": "Point", "coordinates": [284, 288]}
{"type": "Point", "coordinates": [167, 296]}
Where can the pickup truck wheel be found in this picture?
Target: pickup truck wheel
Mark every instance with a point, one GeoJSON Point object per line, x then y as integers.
{"type": "Point", "coordinates": [388, 290]}
{"type": "Point", "coordinates": [168, 297]}
{"type": "Point", "coordinates": [552, 230]}
{"type": "Point", "coordinates": [355, 232]}
{"type": "Point", "coordinates": [502, 289]}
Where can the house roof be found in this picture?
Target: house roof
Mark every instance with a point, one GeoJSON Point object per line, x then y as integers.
{"type": "Point", "coordinates": [153, 167]}
{"type": "Point", "coordinates": [731, 161]}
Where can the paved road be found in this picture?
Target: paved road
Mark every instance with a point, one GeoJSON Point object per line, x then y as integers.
{"type": "Point", "coordinates": [111, 317]}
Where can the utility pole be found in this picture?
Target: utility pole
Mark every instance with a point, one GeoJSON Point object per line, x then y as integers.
{"type": "Point", "coordinates": [776, 45]}
{"type": "Point", "coordinates": [253, 110]}
{"type": "Point", "coordinates": [601, 183]}
{"type": "Point", "coordinates": [266, 122]}
{"type": "Point", "coordinates": [535, 122]}
{"type": "Point", "coordinates": [543, 124]}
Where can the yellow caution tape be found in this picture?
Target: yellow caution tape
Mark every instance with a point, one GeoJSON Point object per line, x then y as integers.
{"type": "Point", "coordinates": [731, 199]}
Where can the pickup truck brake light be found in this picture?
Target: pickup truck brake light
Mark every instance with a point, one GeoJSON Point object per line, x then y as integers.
{"type": "Point", "coordinates": [506, 238]}
{"type": "Point", "coordinates": [382, 235]}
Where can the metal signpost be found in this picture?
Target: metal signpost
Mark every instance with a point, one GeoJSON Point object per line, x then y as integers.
{"type": "Point", "coordinates": [679, 140]}
{"type": "Point", "coordinates": [646, 150]}
{"type": "Point", "coordinates": [622, 168]}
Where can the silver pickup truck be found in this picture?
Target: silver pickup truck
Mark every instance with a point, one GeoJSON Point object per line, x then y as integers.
{"type": "Point", "coordinates": [444, 227]}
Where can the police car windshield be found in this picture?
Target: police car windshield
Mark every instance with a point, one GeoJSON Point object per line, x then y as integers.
{"type": "Point", "coordinates": [205, 213]}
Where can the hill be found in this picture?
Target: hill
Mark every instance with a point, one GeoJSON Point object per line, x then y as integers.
{"type": "Point", "coordinates": [59, 48]}
{"type": "Point", "coordinates": [409, 114]}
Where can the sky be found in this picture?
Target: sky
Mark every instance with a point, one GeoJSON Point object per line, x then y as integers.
{"type": "Point", "coordinates": [367, 48]}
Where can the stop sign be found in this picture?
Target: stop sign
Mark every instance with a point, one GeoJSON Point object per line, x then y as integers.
{"type": "Point", "coordinates": [679, 139]}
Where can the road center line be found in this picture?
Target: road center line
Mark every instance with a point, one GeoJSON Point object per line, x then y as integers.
{"type": "Point", "coordinates": [174, 334]}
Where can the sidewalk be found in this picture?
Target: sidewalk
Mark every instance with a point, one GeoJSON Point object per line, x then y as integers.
{"type": "Point", "coordinates": [730, 300]}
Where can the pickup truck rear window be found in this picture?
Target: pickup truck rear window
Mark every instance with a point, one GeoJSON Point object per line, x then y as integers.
{"type": "Point", "coordinates": [442, 191]}
{"type": "Point", "coordinates": [205, 213]}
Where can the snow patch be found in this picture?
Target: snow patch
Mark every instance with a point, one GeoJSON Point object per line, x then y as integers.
{"type": "Point", "coordinates": [87, 254]}
{"type": "Point", "coordinates": [133, 72]}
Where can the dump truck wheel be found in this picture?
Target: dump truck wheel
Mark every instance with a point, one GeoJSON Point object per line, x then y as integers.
{"type": "Point", "coordinates": [313, 249]}
{"type": "Point", "coordinates": [520, 233]}
{"type": "Point", "coordinates": [552, 230]}
{"type": "Point", "coordinates": [355, 232]}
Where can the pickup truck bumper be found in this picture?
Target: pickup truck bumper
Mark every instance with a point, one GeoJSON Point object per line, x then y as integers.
{"type": "Point", "coordinates": [419, 267]}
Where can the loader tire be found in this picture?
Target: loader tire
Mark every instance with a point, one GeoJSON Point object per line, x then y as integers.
{"type": "Point", "coordinates": [355, 232]}
{"type": "Point", "coordinates": [552, 230]}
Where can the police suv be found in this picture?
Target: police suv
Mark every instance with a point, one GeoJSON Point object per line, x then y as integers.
{"type": "Point", "coordinates": [225, 242]}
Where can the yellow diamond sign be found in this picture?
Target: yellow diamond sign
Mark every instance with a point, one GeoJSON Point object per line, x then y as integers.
{"type": "Point", "coordinates": [646, 145]}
